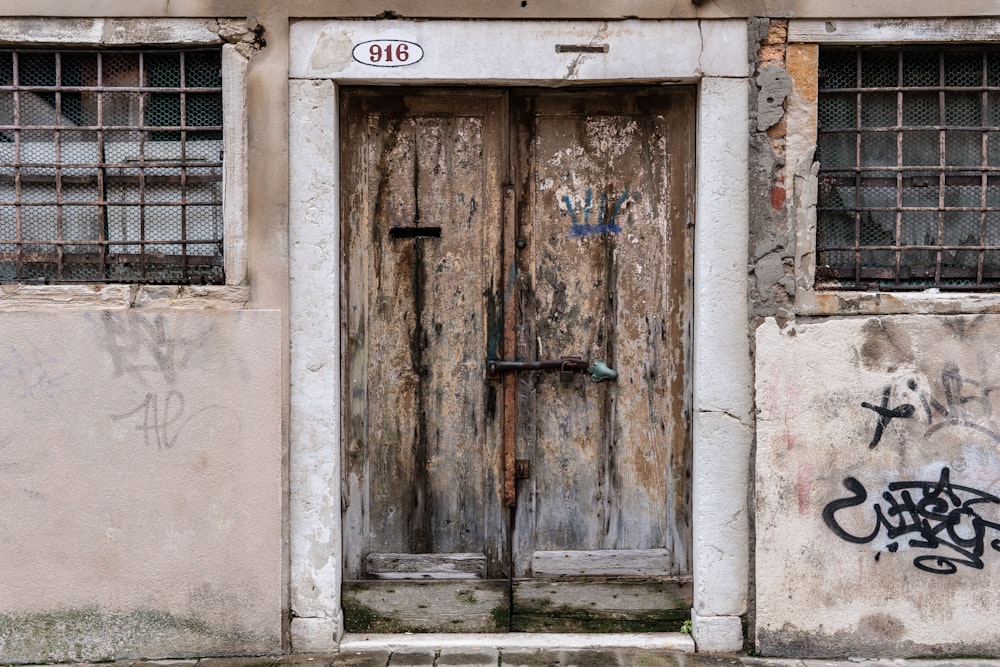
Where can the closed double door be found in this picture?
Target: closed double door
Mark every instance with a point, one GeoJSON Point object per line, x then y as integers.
{"type": "Point", "coordinates": [516, 305]}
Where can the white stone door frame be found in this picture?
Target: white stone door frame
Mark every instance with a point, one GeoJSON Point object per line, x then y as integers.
{"type": "Point", "coordinates": [710, 54]}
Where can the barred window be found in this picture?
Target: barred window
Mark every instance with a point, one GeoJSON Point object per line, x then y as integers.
{"type": "Point", "coordinates": [909, 180]}
{"type": "Point", "coordinates": [111, 166]}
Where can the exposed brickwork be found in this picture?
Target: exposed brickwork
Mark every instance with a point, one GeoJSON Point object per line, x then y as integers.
{"type": "Point", "coordinates": [772, 244]}
{"type": "Point", "coordinates": [772, 48]}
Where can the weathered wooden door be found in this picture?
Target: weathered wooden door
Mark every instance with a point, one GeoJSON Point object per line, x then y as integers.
{"type": "Point", "coordinates": [485, 230]}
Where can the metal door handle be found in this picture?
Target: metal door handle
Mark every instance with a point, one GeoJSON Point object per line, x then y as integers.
{"type": "Point", "coordinates": [601, 371]}
{"type": "Point", "coordinates": [598, 370]}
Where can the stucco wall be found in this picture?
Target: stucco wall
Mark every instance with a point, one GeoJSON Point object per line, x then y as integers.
{"type": "Point", "coordinates": [140, 484]}
{"type": "Point", "coordinates": [878, 469]}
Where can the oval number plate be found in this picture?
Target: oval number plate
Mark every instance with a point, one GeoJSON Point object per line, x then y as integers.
{"type": "Point", "coordinates": [388, 53]}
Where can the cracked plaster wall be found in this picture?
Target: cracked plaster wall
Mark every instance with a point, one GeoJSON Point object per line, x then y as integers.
{"type": "Point", "coordinates": [865, 401]}
{"type": "Point", "coordinates": [877, 483]}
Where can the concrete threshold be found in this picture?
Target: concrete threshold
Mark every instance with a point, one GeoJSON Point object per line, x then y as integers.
{"type": "Point", "coordinates": [655, 641]}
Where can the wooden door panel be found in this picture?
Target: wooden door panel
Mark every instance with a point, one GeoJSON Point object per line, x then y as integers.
{"type": "Point", "coordinates": [604, 273]}
{"type": "Point", "coordinates": [458, 247]}
{"type": "Point", "coordinates": [421, 206]}
{"type": "Point", "coordinates": [604, 212]}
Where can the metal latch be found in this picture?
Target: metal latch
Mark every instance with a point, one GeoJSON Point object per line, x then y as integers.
{"type": "Point", "coordinates": [598, 369]}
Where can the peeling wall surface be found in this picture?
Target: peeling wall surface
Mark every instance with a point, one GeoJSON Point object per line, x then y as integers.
{"type": "Point", "coordinates": [140, 485]}
{"type": "Point", "coordinates": [878, 486]}
{"type": "Point", "coordinates": [877, 478]}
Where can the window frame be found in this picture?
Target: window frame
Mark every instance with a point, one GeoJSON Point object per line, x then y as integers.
{"type": "Point", "coordinates": [805, 37]}
{"type": "Point", "coordinates": [97, 34]}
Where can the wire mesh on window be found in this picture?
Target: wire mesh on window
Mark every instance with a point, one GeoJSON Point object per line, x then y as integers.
{"type": "Point", "coordinates": [111, 166]}
{"type": "Point", "coordinates": [909, 180]}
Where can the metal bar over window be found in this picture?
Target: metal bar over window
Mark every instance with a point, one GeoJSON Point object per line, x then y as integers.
{"type": "Point", "coordinates": [909, 179]}
{"type": "Point", "coordinates": [111, 166]}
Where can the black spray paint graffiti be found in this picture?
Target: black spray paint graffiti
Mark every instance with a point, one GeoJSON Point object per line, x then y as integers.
{"type": "Point", "coordinates": [886, 415]}
{"type": "Point", "coordinates": [966, 404]}
{"type": "Point", "coordinates": [939, 515]}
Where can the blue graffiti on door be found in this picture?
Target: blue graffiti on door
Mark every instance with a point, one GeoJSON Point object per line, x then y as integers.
{"type": "Point", "coordinates": [606, 220]}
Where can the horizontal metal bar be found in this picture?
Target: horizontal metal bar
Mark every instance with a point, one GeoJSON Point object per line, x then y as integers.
{"type": "Point", "coordinates": [107, 243]}
{"type": "Point", "coordinates": [935, 170]}
{"type": "Point", "coordinates": [110, 128]}
{"type": "Point", "coordinates": [910, 209]}
{"type": "Point", "coordinates": [922, 181]}
{"type": "Point", "coordinates": [902, 287]}
{"type": "Point", "coordinates": [66, 179]}
{"type": "Point", "coordinates": [130, 204]}
{"type": "Point", "coordinates": [189, 278]}
{"type": "Point", "coordinates": [36, 257]}
{"type": "Point", "coordinates": [885, 129]}
{"type": "Point", "coordinates": [912, 89]}
{"type": "Point", "coordinates": [582, 48]}
{"type": "Point", "coordinates": [144, 164]}
{"type": "Point", "coordinates": [429, 231]}
{"type": "Point", "coordinates": [495, 366]}
{"type": "Point", "coordinates": [855, 129]}
{"type": "Point", "coordinates": [108, 89]}
{"type": "Point", "coordinates": [976, 248]}
{"type": "Point", "coordinates": [906, 273]}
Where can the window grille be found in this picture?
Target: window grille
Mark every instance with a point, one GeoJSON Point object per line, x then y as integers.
{"type": "Point", "coordinates": [909, 179]}
{"type": "Point", "coordinates": [111, 166]}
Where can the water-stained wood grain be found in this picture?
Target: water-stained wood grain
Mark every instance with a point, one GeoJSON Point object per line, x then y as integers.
{"type": "Point", "coordinates": [523, 225]}
{"type": "Point", "coordinates": [605, 274]}
{"type": "Point", "coordinates": [421, 459]}
{"type": "Point", "coordinates": [608, 562]}
{"type": "Point", "coordinates": [426, 566]}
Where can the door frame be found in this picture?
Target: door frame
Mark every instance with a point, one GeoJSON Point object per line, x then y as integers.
{"type": "Point", "coordinates": [710, 54]}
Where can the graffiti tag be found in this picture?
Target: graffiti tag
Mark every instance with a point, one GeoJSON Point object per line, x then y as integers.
{"type": "Point", "coordinates": [886, 415]}
{"type": "Point", "coordinates": [937, 515]}
{"type": "Point", "coordinates": [965, 403]}
{"type": "Point", "coordinates": [162, 419]}
{"type": "Point", "coordinates": [606, 220]}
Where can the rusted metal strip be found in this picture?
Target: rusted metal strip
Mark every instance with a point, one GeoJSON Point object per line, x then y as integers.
{"type": "Point", "coordinates": [509, 349]}
{"type": "Point", "coordinates": [581, 48]}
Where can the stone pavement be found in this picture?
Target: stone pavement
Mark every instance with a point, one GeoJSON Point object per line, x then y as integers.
{"type": "Point", "coordinates": [534, 657]}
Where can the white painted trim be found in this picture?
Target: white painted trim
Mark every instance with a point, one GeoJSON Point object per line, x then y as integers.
{"type": "Point", "coordinates": [314, 414]}
{"type": "Point", "coordinates": [235, 189]}
{"type": "Point", "coordinates": [723, 379]}
{"type": "Point", "coordinates": [480, 51]}
{"type": "Point", "coordinates": [895, 31]}
{"type": "Point", "coordinates": [723, 400]}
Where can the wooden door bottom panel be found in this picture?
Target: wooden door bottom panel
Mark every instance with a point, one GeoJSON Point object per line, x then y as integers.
{"type": "Point", "coordinates": [605, 605]}
{"type": "Point", "coordinates": [426, 566]}
{"type": "Point", "coordinates": [426, 606]}
{"type": "Point", "coordinates": [606, 563]}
